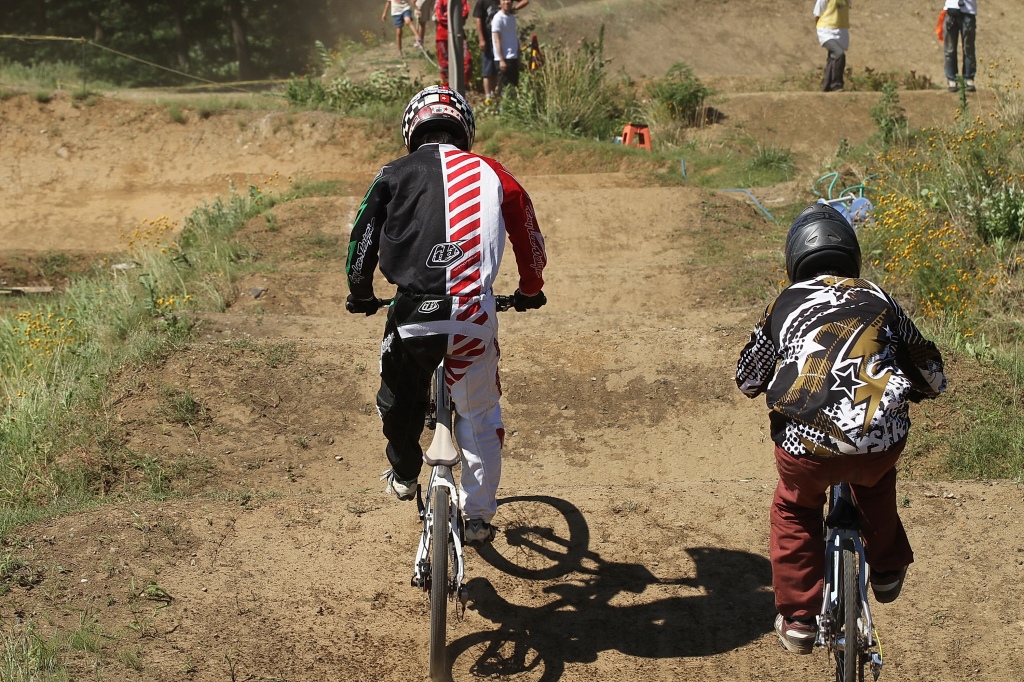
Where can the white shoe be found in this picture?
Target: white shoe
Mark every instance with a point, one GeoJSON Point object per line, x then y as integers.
{"type": "Point", "coordinates": [479, 532]}
{"type": "Point", "coordinates": [403, 490]}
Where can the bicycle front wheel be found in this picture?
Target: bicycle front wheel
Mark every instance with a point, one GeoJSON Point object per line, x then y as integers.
{"type": "Point", "coordinates": [849, 656]}
{"type": "Point", "coordinates": [439, 581]}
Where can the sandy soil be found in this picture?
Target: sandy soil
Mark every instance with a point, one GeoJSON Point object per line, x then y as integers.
{"type": "Point", "coordinates": [637, 479]}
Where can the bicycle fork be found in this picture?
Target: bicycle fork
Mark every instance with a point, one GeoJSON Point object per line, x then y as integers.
{"type": "Point", "coordinates": [828, 622]}
{"type": "Point", "coordinates": [440, 476]}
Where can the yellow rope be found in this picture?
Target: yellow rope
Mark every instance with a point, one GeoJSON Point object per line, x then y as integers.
{"type": "Point", "coordinates": [15, 37]}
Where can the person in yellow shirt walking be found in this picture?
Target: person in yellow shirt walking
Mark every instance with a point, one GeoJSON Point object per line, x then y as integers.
{"type": "Point", "coordinates": [832, 19]}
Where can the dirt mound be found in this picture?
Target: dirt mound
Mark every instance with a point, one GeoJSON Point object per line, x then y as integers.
{"type": "Point", "coordinates": [106, 166]}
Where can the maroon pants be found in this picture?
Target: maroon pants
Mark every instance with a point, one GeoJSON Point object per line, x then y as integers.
{"type": "Point", "coordinates": [797, 546]}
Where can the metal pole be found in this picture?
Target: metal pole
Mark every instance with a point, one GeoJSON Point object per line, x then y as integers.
{"type": "Point", "coordinates": [85, 79]}
{"type": "Point", "coordinates": [456, 48]}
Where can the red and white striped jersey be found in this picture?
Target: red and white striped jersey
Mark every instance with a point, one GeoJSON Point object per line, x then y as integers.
{"type": "Point", "coordinates": [436, 221]}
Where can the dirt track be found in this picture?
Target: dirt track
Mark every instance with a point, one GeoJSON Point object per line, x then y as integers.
{"type": "Point", "coordinates": [627, 439]}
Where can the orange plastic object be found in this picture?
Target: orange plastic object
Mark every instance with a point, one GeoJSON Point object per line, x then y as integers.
{"type": "Point", "coordinates": [636, 135]}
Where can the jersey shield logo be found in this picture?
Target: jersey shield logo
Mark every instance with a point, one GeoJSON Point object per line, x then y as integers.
{"type": "Point", "coordinates": [443, 255]}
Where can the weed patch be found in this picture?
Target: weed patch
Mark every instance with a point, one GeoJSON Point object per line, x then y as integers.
{"type": "Point", "coordinates": [571, 95]}
{"type": "Point", "coordinates": [60, 353]}
{"type": "Point", "coordinates": [946, 240]}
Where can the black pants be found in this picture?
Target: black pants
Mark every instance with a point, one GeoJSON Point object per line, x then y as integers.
{"type": "Point", "coordinates": [406, 366]}
{"type": "Point", "coordinates": [835, 66]}
{"type": "Point", "coordinates": [508, 77]}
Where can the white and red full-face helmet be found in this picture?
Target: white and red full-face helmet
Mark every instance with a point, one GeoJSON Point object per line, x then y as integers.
{"type": "Point", "coordinates": [438, 108]}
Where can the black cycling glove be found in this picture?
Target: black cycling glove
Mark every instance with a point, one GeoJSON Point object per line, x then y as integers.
{"type": "Point", "coordinates": [367, 306]}
{"type": "Point", "coordinates": [522, 302]}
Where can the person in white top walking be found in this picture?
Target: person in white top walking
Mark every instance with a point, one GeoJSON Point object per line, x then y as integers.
{"type": "Point", "coordinates": [401, 14]}
{"type": "Point", "coordinates": [832, 20]}
{"type": "Point", "coordinates": [960, 25]}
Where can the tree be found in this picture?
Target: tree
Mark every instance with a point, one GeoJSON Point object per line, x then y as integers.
{"type": "Point", "coordinates": [239, 39]}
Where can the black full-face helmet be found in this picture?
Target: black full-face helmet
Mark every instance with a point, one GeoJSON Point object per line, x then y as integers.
{"type": "Point", "coordinates": [438, 108]}
{"type": "Point", "coordinates": [821, 241]}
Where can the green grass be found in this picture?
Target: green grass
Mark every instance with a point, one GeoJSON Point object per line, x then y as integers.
{"type": "Point", "coordinates": [46, 75]}
{"type": "Point", "coordinates": [989, 442]}
{"type": "Point", "coordinates": [176, 114]}
{"type": "Point", "coordinates": [181, 407]}
{"type": "Point", "coordinates": [730, 164]}
{"type": "Point", "coordinates": [28, 656]}
{"type": "Point", "coordinates": [60, 352]}
{"type": "Point", "coordinates": [87, 637]}
{"type": "Point", "coordinates": [773, 161]}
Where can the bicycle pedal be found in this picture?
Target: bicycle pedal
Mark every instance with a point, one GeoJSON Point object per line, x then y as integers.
{"type": "Point", "coordinates": [462, 598]}
{"type": "Point", "coordinates": [876, 665]}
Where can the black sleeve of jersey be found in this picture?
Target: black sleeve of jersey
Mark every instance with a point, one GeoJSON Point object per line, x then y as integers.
{"type": "Point", "coordinates": [364, 243]}
{"type": "Point", "coordinates": [918, 358]}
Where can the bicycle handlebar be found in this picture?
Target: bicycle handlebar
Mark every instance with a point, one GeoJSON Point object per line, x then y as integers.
{"type": "Point", "coordinates": [501, 302]}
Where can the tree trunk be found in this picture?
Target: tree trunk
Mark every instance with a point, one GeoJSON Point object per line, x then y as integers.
{"type": "Point", "coordinates": [178, 20]}
{"type": "Point", "coordinates": [245, 68]}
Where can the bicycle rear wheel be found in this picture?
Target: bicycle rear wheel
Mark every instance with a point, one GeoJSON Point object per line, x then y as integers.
{"type": "Point", "coordinates": [848, 658]}
{"type": "Point", "coordinates": [439, 581]}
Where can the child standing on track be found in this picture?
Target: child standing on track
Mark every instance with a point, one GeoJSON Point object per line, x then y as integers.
{"type": "Point", "coordinates": [437, 221]}
{"type": "Point", "coordinates": [838, 361]}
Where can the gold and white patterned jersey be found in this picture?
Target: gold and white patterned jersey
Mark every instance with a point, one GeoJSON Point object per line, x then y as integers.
{"type": "Point", "coordinates": [838, 361]}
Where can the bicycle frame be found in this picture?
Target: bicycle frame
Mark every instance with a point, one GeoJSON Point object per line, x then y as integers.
{"type": "Point", "coordinates": [441, 456]}
{"type": "Point", "coordinates": [842, 533]}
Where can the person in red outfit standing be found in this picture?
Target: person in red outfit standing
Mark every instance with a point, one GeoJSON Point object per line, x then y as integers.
{"type": "Point", "coordinates": [441, 17]}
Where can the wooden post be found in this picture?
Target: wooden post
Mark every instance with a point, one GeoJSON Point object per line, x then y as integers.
{"type": "Point", "coordinates": [456, 48]}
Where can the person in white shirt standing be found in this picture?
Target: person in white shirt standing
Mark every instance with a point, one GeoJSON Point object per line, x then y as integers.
{"type": "Point", "coordinates": [960, 25]}
{"type": "Point", "coordinates": [505, 37]}
{"type": "Point", "coordinates": [832, 19]}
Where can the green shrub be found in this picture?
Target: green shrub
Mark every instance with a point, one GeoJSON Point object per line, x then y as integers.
{"type": "Point", "coordinates": [344, 95]}
{"type": "Point", "coordinates": [999, 215]}
{"type": "Point", "coordinates": [889, 115]}
{"type": "Point", "coordinates": [569, 95]}
{"type": "Point", "coordinates": [680, 93]}
{"type": "Point", "coordinates": [772, 158]}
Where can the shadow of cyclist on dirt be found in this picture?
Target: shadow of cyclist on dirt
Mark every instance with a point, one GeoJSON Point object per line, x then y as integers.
{"type": "Point", "coordinates": [615, 606]}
